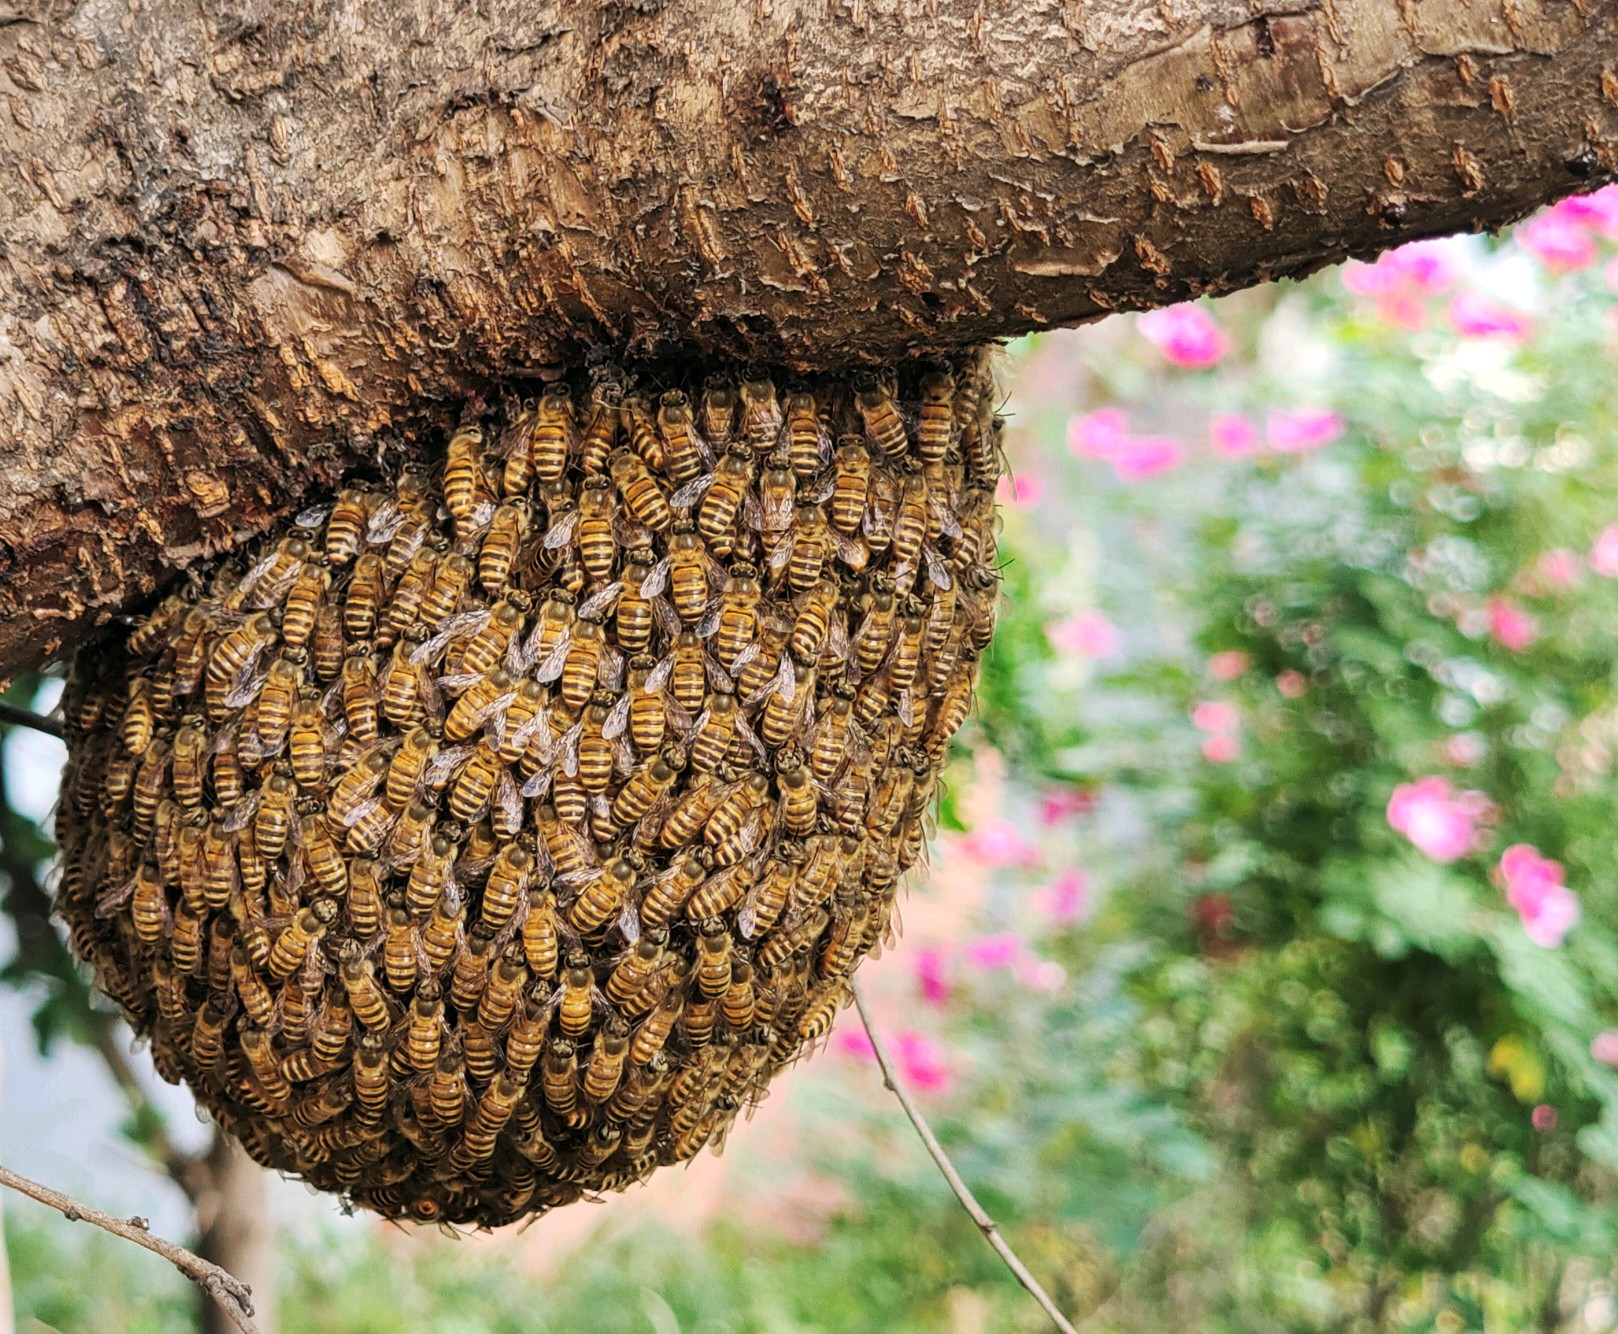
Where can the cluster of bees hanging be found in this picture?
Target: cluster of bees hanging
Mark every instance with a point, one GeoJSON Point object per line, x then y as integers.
{"type": "Point", "coordinates": [493, 834]}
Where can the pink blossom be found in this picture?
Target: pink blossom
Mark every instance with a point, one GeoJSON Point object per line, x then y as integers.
{"type": "Point", "coordinates": [922, 1061]}
{"type": "Point", "coordinates": [1293, 685]}
{"type": "Point", "coordinates": [1559, 566]}
{"type": "Point", "coordinates": [1604, 554]}
{"type": "Point", "coordinates": [1598, 211]}
{"type": "Point", "coordinates": [1543, 1118]}
{"type": "Point", "coordinates": [1222, 748]}
{"type": "Point", "coordinates": [1298, 432]}
{"type": "Point", "coordinates": [1228, 665]}
{"type": "Point", "coordinates": [1511, 626]}
{"type": "Point", "coordinates": [1401, 279]}
{"type": "Point", "coordinates": [1216, 715]}
{"type": "Point", "coordinates": [853, 1040]}
{"type": "Point", "coordinates": [1464, 749]}
{"type": "Point", "coordinates": [1604, 1046]}
{"type": "Point", "coordinates": [1547, 907]}
{"type": "Point", "coordinates": [996, 842]}
{"type": "Point", "coordinates": [1067, 899]}
{"type": "Point", "coordinates": [932, 975]}
{"type": "Point", "coordinates": [1064, 803]}
{"type": "Point", "coordinates": [1139, 457]}
{"type": "Point", "coordinates": [996, 951]}
{"type": "Point", "coordinates": [1085, 634]}
{"type": "Point", "coordinates": [1233, 435]}
{"type": "Point", "coordinates": [1021, 491]}
{"type": "Point", "coordinates": [1474, 315]}
{"type": "Point", "coordinates": [1441, 823]}
{"type": "Point", "coordinates": [1186, 334]}
{"type": "Point", "coordinates": [1560, 242]}
{"type": "Point", "coordinates": [1096, 434]}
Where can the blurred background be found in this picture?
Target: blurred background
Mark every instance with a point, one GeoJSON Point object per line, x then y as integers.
{"type": "Point", "coordinates": [1266, 977]}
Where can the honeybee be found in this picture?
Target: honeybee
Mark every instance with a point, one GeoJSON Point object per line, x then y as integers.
{"type": "Point", "coordinates": [851, 485]}
{"type": "Point", "coordinates": [361, 695]}
{"type": "Point", "coordinates": [787, 702]}
{"type": "Point", "coordinates": [601, 428]}
{"type": "Point", "coordinates": [718, 410]}
{"type": "Point", "coordinates": [646, 786]}
{"type": "Point", "coordinates": [935, 418]}
{"type": "Point", "coordinates": [688, 574]}
{"type": "Point", "coordinates": [729, 482]}
{"type": "Point", "coordinates": [275, 701]}
{"type": "Point", "coordinates": [230, 665]}
{"type": "Point", "coordinates": [635, 413]}
{"type": "Point", "coordinates": [738, 613]}
{"type": "Point", "coordinates": [492, 635]}
{"type": "Point", "coordinates": [606, 1065]}
{"type": "Point", "coordinates": [761, 413]}
{"type": "Point", "coordinates": [714, 732]}
{"type": "Point", "coordinates": [640, 492]}
{"type": "Point", "coordinates": [463, 473]}
{"type": "Point", "coordinates": [875, 632]}
{"type": "Point", "coordinates": [446, 1090]}
{"type": "Point", "coordinates": [365, 997]}
{"type": "Point", "coordinates": [419, 579]}
{"type": "Point", "coordinates": [292, 946]}
{"type": "Point", "coordinates": [883, 424]}
{"type": "Point", "coordinates": [559, 1076]}
{"type": "Point", "coordinates": [683, 447]}
{"type": "Point", "coordinates": [575, 998]}
{"type": "Point", "coordinates": [541, 936]}
{"type": "Point", "coordinates": [597, 547]}
{"type": "Point", "coordinates": [654, 1031]}
{"type": "Point", "coordinates": [910, 527]}
{"type": "Point", "coordinates": [550, 439]}
{"type": "Point", "coordinates": [602, 898]}
{"type": "Point", "coordinates": [506, 534]}
{"type": "Point", "coordinates": [813, 625]}
{"type": "Point", "coordinates": [581, 668]}
{"type": "Point", "coordinates": [451, 577]}
{"type": "Point", "coordinates": [647, 716]}
{"type": "Point", "coordinates": [471, 973]}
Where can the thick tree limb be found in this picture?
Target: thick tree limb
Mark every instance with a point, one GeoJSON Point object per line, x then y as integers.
{"type": "Point", "coordinates": [244, 247]}
{"type": "Point", "coordinates": [986, 1225]}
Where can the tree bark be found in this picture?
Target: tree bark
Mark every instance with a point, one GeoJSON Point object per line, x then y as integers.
{"type": "Point", "coordinates": [246, 247]}
{"type": "Point", "coordinates": [236, 1233]}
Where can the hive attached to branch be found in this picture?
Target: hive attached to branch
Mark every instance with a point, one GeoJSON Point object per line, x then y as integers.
{"type": "Point", "coordinates": [495, 833]}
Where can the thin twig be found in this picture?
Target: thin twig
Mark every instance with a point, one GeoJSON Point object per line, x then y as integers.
{"type": "Point", "coordinates": [986, 1225]}
{"type": "Point", "coordinates": [235, 1298]}
{"type": "Point", "coordinates": [13, 713]}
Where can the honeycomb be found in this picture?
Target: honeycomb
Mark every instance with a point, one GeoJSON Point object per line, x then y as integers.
{"type": "Point", "coordinates": [491, 835]}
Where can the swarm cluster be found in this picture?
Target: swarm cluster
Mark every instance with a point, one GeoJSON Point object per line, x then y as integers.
{"type": "Point", "coordinates": [492, 835]}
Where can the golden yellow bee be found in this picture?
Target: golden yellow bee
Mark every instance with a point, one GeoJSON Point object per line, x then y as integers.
{"type": "Point", "coordinates": [851, 485]}
{"type": "Point", "coordinates": [559, 1076]}
{"type": "Point", "coordinates": [646, 786]}
{"type": "Point", "coordinates": [716, 519]}
{"type": "Point", "coordinates": [598, 549]}
{"type": "Point", "coordinates": [576, 996]}
{"type": "Point", "coordinates": [688, 574]}
{"type": "Point", "coordinates": [602, 899]}
{"type": "Point", "coordinates": [642, 496]}
{"type": "Point", "coordinates": [505, 536]}
{"type": "Point", "coordinates": [541, 937]}
{"type": "Point", "coordinates": [550, 440]}
{"type": "Point", "coordinates": [682, 450]}
{"type": "Point", "coordinates": [760, 413]}
{"type": "Point", "coordinates": [606, 1065]}
{"type": "Point", "coordinates": [295, 942]}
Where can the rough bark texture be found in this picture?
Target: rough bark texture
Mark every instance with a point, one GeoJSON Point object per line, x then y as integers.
{"type": "Point", "coordinates": [243, 247]}
{"type": "Point", "coordinates": [236, 1234]}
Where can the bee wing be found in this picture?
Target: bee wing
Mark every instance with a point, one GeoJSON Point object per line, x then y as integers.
{"type": "Point", "coordinates": [668, 620]}
{"type": "Point", "coordinates": [526, 731]}
{"type": "Point", "coordinates": [312, 517]}
{"type": "Point", "coordinates": [539, 784]}
{"type": "Point", "coordinates": [752, 512]}
{"type": "Point", "coordinates": [695, 729]}
{"type": "Point", "coordinates": [561, 532]}
{"type": "Point", "coordinates": [385, 521]}
{"type": "Point", "coordinates": [441, 768]}
{"type": "Point", "coordinates": [820, 488]}
{"type": "Point", "coordinates": [360, 811]}
{"type": "Point", "coordinates": [611, 671]}
{"type": "Point", "coordinates": [906, 706]}
{"type": "Point", "coordinates": [937, 570]}
{"type": "Point", "coordinates": [948, 523]}
{"type": "Point", "coordinates": [786, 677]}
{"type": "Point", "coordinates": [744, 657]}
{"type": "Point", "coordinates": [629, 922]}
{"type": "Point", "coordinates": [551, 668]}
{"type": "Point", "coordinates": [692, 491]}
{"type": "Point", "coordinates": [780, 555]}
{"type": "Point", "coordinates": [778, 510]}
{"type": "Point", "coordinates": [508, 798]}
{"type": "Point", "coordinates": [658, 677]}
{"type": "Point", "coordinates": [655, 582]}
{"type": "Point", "coordinates": [603, 598]}
{"type": "Point", "coordinates": [459, 681]}
{"type": "Point", "coordinates": [710, 621]}
{"type": "Point", "coordinates": [499, 704]}
{"type": "Point", "coordinates": [242, 812]}
{"type": "Point", "coordinates": [115, 896]}
{"type": "Point", "coordinates": [718, 678]}
{"type": "Point", "coordinates": [247, 686]}
{"type": "Point", "coordinates": [747, 734]}
{"type": "Point", "coordinates": [618, 719]}
{"type": "Point", "coordinates": [837, 639]}
{"type": "Point", "coordinates": [570, 749]}
{"type": "Point", "coordinates": [679, 718]}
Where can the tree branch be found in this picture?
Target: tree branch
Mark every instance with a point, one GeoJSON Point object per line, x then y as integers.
{"type": "Point", "coordinates": [986, 1225]}
{"type": "Point", "coordinates": [20, 717]}
{"type": "Point", "coordinates": [234, 1297]}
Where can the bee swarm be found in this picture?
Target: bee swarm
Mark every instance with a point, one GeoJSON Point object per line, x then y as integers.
{"type": "Point", "coordinates": [492, 836]}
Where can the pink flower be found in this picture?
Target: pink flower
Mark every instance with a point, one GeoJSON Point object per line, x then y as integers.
{"type": "Point", "coordinates": [1067, 899]}
{"type": "Point", "coordinates": [1222, 748]}
{"type": "Point", "coordinates": [1442, 824]}
{"type": "Point", "coordinates": [1187, 335]}
{"type": "Point", "coordinates": [1291, 684]}
{"type": "Point", "coordinates": [1547, 907]}
{"type": "Point", "coordinates": [1464, 749]}
{"type": "Point", "coordinates": [1559, 566]}
{"type": "Point", "coordinates": [1216, 715]}
{"type": "Point", "coordinates": [1401, 279]}
{"type": "Point", "coordinates": [932, 975]}
{"type": "Point", "coordinates": [1604, 1046]}
{"type": "Point", "coordinates": [1543, 1118]}
{"type": "Point", "coordinates": [1598, 211]}
{"type": "Point", "coordinates": [1511, 626]}
{"type": "Point", "coordinates": [996, 951]}
{"type": "Point", "coordinates": [1303, 430]}
{"type": "Point", "coordinates": [1141, 456]}
{"type": "Point", "coordinates": [1604, 554]}
{"type": "Point", "coordinates": [922, 1061]}
{"type": "Point", "coordinates": [853, 1040]}
{"type": "Point", "coordinates": [1096, 434]}
{"type": "Point", "coordinates": [1233, 435]}
{"type": "Point", "coordinates": [1085, 634]}
{"type": "Point", "coordinates": [1064, 803]}
{"type": "Point", "coordinates": [1474, 315]}
{"type": "Point", "coordinates": [1021, 491]}
{"type": "Point", "coordinates": [1228, 665]}
{"type": "Point", "coordinates": [1560, 242]}
{"type": "Point", "coordinates": [996, 842]}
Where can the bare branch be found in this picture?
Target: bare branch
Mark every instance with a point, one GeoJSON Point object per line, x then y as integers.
{"type": "Point", "coordinates": [986, 1225]}
{"type": "Point", "coordinates": [235, 1298]}
{"type": "Point", "coordinates": [12, 713]}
